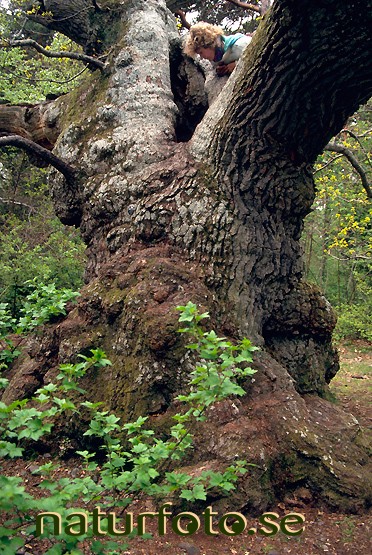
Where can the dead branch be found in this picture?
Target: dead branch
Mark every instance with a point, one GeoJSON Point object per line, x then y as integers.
{"type": "Point", "coordinates": [25, 43]}
{"type": "Point", "coordinates": [181, 14]}
{"type": "Point", "coordinates": [327, 164]}
{"type": "Point", "coordinates": [174, 5]}
{"type": "Point", "coordinates": [69, 172]}
{"type": "Point", "coordinates": [17, 203]}
{"type": "Point", "coordinates": [333, 147]}
{"type": "Point", "coordinates": [97, 7]}
{"type": "Point", "coordinates": [357, 138]}
{"type": "Point", "coordinates": [245, 6]}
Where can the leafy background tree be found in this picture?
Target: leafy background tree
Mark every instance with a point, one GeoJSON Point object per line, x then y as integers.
{"type": "Point", "coordinates": [230, 15]}
{"type": "Point", "coordinates": [26, 75]}
{"type": "Point", "coordinates": [338, 232]}
{"type": "Point", "coordinates": [33, 242]}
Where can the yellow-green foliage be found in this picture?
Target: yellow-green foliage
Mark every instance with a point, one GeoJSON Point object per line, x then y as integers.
{"type": "Point", "coordinates": [26, 78]}
{"type": "Point", "coordinates": [350, 210]}
{"type": "Point", "coordinates": [338, 233]}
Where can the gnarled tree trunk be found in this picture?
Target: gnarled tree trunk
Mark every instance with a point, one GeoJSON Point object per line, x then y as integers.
{"type": "Point", "coordinates": [216, 220]}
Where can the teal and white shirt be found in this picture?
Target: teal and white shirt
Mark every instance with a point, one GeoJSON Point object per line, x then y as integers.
{"type": "Point", "coordinates": [231, 48]}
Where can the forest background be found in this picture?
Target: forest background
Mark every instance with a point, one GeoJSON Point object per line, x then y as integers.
{"type": "Point", "coordinates": [36, 247]}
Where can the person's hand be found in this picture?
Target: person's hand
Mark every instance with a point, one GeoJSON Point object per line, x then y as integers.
{"type": "Point", "coordinates": [221, 69]}
{"type": "Point", "coordinates": [225, 69]}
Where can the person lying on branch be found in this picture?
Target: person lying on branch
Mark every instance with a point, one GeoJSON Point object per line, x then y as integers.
{"type": "Point", "coordinates": [211, 44]}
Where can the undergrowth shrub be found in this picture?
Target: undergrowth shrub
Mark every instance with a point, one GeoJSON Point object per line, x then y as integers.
{"type": "Point", "coordinates": [42, 303]}
{"type": "Point", "coordinates": [39, 249]}
{"type": "Point", "coordinates": [354, 321]}
{"type": "Point", "coordinates": [147, 466]}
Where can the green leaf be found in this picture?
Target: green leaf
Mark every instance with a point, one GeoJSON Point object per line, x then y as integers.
{"type": "Point", "coordinates": [8, 449]}
{"type": "Point", "coordinates": [9, 546]}
{"type": "Point", "coordinates": [187, 494]}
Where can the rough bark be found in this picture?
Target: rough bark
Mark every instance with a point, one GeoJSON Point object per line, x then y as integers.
{"type": "Point", "coordinates": [80, 20]}
{"type": "Point", "coordinates": [265, 5]}
{"type": "Point", "coordinates": [37, 123]}
{"type": "Point", "coordinates": [216, 221]}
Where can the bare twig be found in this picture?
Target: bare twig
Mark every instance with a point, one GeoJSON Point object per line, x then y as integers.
{"type": "Point", "coordinates": [35, 80]}
{"type": "Point", "coordinates": [333, 147]}
{"type": "Point", "coordinates": [18, 203]}
{"type": "Point", "coordinates": [368, 132]}
{"type": "Point", "coordinates": [97, 6]}
{"type": "Point", "coordinates": [328, 163]}
{"type": "Point", "coordinates": [45, 19]}
{"type": "Point", "coordinates": [54, 54]}
{"type": "Point", "coordinates": [347, 258]}
{"type": "Point", "coordinates": [30, 147]}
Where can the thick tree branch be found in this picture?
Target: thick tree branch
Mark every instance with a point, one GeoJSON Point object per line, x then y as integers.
{"type": "Point", "coordinates": [245, 6]}
{"type": "Point", "coordinates": [54, 54]}
{"type": "Point", "coordinates": [77, 19]}
{"type": "Point", "coordinates": [333, 147]}
{"type": "Point", "coordinates": [333, 87]}
{"type": "Point", "coordinates": [30, 147]}
{"type": "Point", "coordinates": [181, 14]}
{"type": "Point", "coordinates": [262, 8]}
{"type": "Point", "coordinates": [265, 5]}
{"type": "Point", "coordinates": [38, 123]}
{"type": "Point", "coordinates": [174, 5]}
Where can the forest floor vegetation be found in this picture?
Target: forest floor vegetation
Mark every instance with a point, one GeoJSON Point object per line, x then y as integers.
{"type": "Point", "coordinates": [325, 531]}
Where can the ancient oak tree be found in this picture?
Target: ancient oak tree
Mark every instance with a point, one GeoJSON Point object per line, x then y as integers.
{"type": "Point", "coordinates": [179, 202]}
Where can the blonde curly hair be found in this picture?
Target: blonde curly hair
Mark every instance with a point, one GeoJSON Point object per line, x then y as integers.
{"type": "Point", "coordinates": [201, 35]}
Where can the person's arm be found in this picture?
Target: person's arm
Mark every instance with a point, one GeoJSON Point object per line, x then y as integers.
{"type": "Point", "coordinates": [232, 55]}
{"type": "Point", "coordinates": [225, 69]}
{"type": "Point", "coordinates": [236, 50]}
